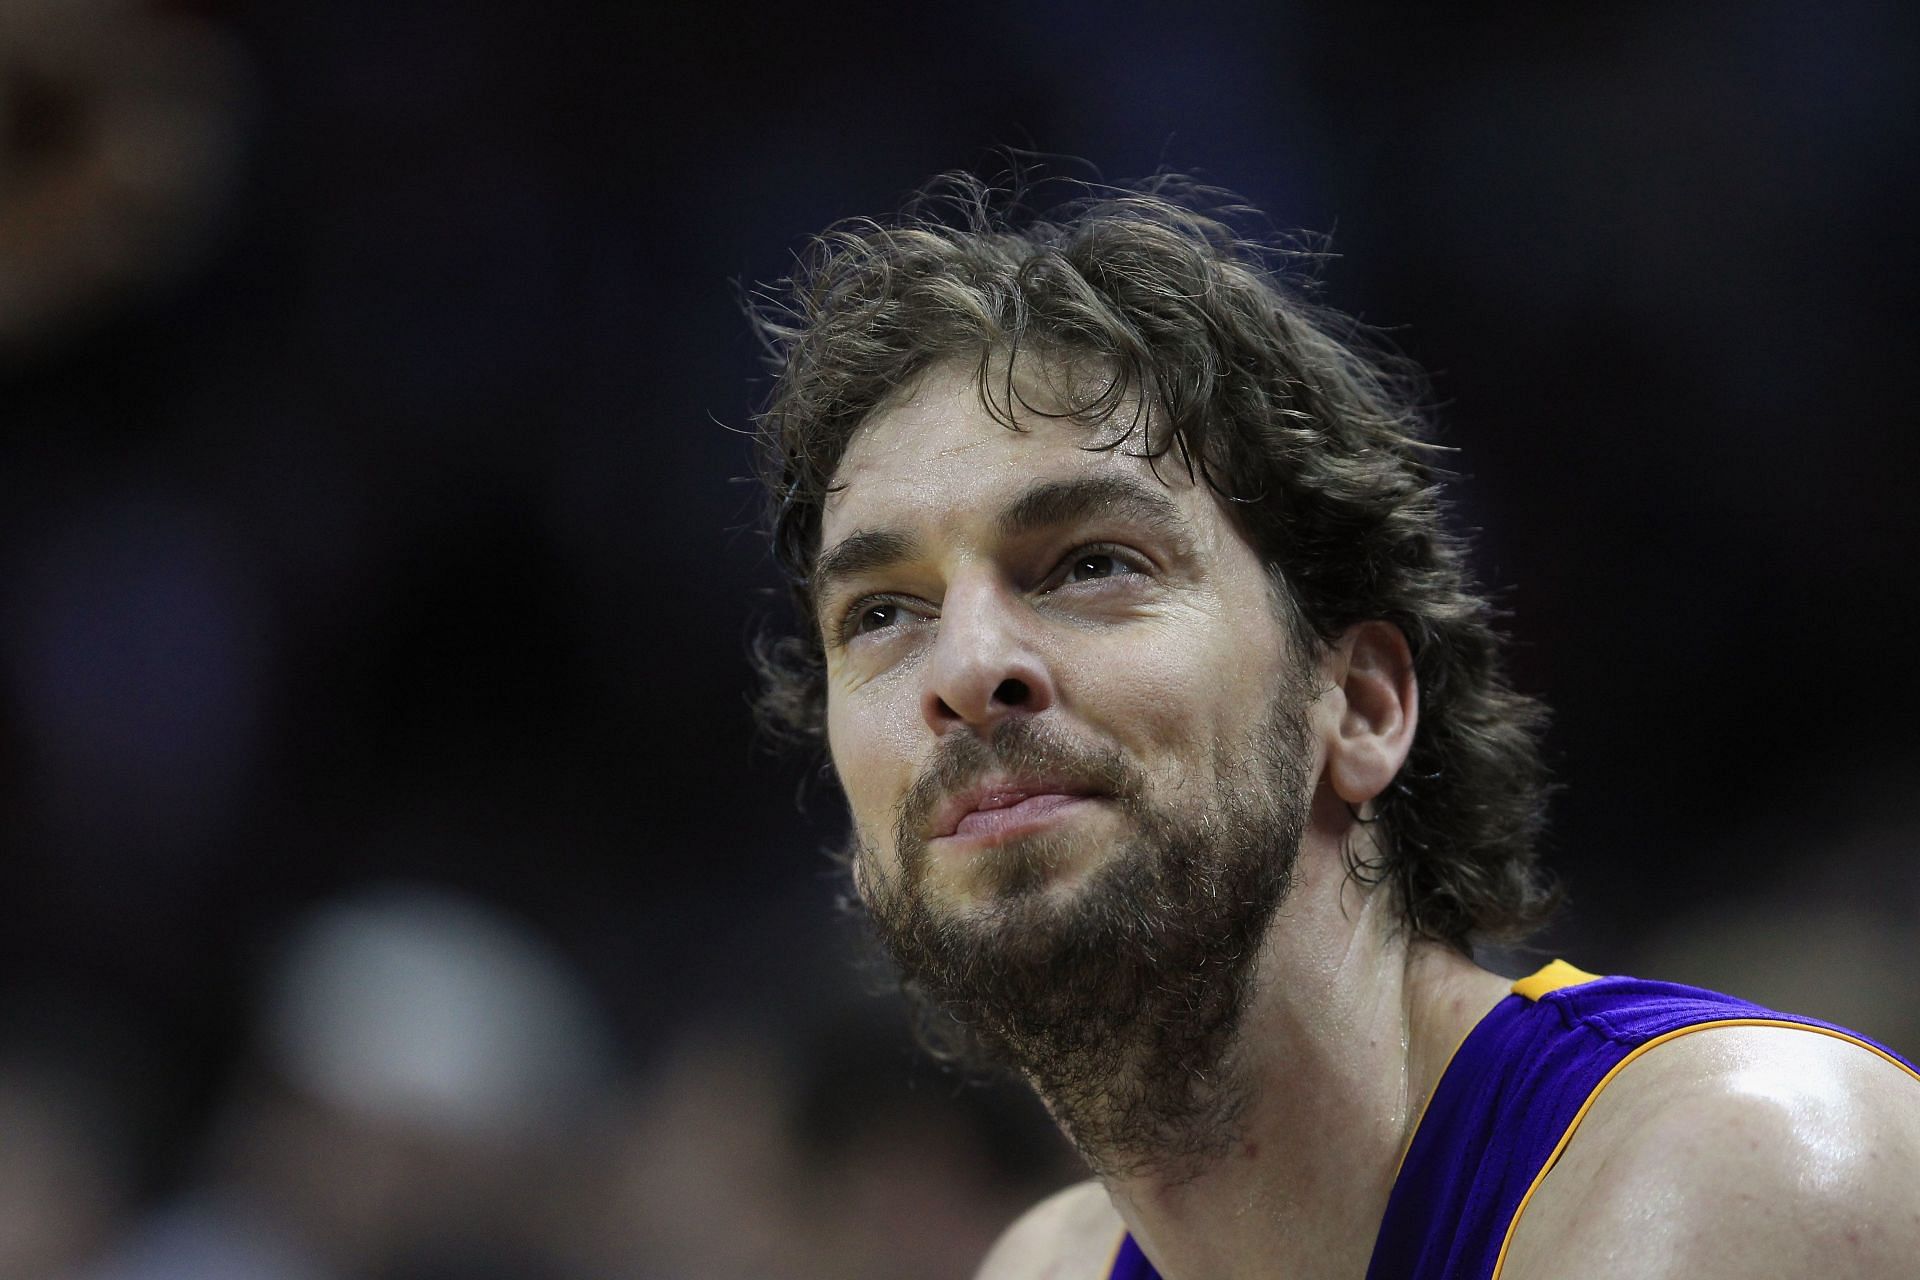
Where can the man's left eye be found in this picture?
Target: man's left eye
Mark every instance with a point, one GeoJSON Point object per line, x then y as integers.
{"type": "Point", "coordinates": [1089, 565]}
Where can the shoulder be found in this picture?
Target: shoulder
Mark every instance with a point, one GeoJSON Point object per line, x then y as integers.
{"type": "Point", "coordinates": [1736, 1151]}
{"type": "Point", "coordinates": [1071, 1235]}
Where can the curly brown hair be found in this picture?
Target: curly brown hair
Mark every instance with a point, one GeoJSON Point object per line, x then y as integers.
{"type": "Point", "coordinates": [1311, 434]}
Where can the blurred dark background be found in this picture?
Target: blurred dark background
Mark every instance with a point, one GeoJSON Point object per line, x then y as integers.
{"type": "Point", "coordinates": [390, 882]}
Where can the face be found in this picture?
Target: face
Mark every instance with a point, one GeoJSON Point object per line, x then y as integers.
{"type": "Point", "coordinates": [1070, 726]}
{"type": "Point", "coordinates": [1096, 615]}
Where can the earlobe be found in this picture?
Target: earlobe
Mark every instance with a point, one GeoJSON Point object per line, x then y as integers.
{"type": "Point", "coordinates": [1379, 711]}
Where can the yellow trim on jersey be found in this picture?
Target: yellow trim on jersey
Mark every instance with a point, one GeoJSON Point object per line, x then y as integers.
{"type": "Point", "coordinates": [1428, 1102]}
{"type": "Point", "coordinates": [1550, 978]}
{"type": "Point", "coordinates": [1618, 1067]}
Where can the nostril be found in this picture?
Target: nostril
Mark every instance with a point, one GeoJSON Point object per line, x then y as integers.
{"type": "Point", "coordinates": [1012, 693]}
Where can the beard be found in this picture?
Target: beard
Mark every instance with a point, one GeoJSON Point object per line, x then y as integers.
{"type": "Point", "coordinates": [1118, 998]}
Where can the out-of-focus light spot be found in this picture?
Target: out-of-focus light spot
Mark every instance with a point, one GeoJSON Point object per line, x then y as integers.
{"type": "Point", "coordinates": [412, 1005]}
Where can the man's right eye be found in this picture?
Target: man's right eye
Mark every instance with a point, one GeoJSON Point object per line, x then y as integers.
{"type": "Point", "coordinates": [873, 617]}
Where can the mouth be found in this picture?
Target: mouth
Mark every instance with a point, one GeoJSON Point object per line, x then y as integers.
{"type": "Point", "coordinates": [1002, 808]}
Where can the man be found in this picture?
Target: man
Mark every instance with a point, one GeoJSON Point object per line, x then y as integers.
{"type": "Point", "coordinates": [1183, 775]}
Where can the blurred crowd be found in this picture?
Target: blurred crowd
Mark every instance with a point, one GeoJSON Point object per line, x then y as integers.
{"type": "Point", "coordinates": [428, 1091]}
{"type": "Point", "coordinates": [391, 884]}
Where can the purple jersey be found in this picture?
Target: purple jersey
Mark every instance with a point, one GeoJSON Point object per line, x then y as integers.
{"type": "Point", "coordinates": [1507, 1105]}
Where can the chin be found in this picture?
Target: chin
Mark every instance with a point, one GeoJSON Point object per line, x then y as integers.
{"type": "Point", "coordinates": [1011, 871]}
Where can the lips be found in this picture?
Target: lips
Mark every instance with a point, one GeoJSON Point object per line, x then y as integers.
{"type": "Point", "coordinates": [1001, 805]}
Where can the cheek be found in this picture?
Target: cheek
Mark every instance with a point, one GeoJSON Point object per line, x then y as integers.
{"type": "Point", "coordinates": [870, 759]}
{"type": "Point", "coordinates": [1175, 694]}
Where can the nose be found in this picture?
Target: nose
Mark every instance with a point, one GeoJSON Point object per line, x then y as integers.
{"type": "Point", "coordinates": [983, 668]}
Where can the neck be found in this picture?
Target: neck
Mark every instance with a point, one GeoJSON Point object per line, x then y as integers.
{"type": "Point", "coordinates": [1347, 1029]}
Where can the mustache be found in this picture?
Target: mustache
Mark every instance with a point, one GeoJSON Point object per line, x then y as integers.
{"type": "Point", "coordinates": [1021, 747]}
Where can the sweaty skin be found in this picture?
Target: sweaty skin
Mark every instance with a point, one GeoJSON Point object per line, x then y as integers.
{"type": "Point", "coordinates": [959, 588]}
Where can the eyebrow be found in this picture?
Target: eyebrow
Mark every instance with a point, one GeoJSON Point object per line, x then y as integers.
{"type": "Point", "coordinates": [1046, 505]}
{"type": "Point", "coordinates": [860, 553]}
{"type": "Point", "coordinates": [1052, 503]}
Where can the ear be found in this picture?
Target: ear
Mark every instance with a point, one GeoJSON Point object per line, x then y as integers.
{"type": "Point", "coordinates": [1377, 710]}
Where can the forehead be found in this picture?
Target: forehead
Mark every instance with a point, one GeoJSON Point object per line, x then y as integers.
{"type": "Point", "coordinates": [939, 450]}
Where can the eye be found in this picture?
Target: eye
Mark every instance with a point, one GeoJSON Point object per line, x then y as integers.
{"type": "Point", "coordinates": [1086, 566]}
{"type": "Point", "coordinates": [872, 617]}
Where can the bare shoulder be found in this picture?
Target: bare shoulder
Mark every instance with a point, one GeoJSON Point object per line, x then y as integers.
{"type": "Point", "coordinates": [1738, 1151]}
{"type": "Point", "coordinates": [1070, 1235]}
